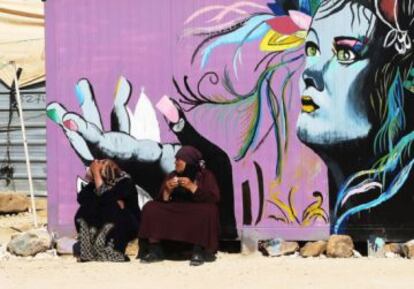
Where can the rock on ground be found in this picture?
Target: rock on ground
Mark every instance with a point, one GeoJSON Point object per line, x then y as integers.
{"type": "Point", "coordinates": [278, 247]}
{"type": "Point", "coordinates": [30, 243]}
{"type": "Point", "coordinates": [408, 249]}
{"type": "Point", "coordinates": [356, 254]}
{"type": "Point", "coordinates": [64, 246]}
{"type": "Point", "coordinates": [288, 248]}
{"type": "Point", "coordinates": [340, 246]}
{"type": "Point", "coordinates": [313, 249]}
{"type": "Point", "coordinates": [4, 255]}
{"type": "Point", "coordinates": [132, 248]}
{"type": "Point", "coordinates": [393, 250]}
{"type": "Point", "coordinates": [49, 254]}
{"type": "Point", "coordinates": [13, 203]}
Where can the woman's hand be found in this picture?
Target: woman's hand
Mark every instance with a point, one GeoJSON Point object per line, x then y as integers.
{"type": "Point", "coordinates": [171, 184]}
{"type": "Point", "coordinates": [121, 204]}
{"type": "Point", "coordinates": [95, 168]}
{"type": "Point", "coordinates": [187, 184]}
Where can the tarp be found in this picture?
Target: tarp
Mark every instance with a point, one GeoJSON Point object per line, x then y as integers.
{"type": "Point", "coordinates": [22, 40]}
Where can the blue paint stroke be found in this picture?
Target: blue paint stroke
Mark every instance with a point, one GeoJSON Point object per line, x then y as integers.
{"type": "Point", "coordinates": [256, 23]}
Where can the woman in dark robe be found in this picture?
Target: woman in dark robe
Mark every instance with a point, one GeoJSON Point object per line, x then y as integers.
{"type": "Point", "coordinates": [108, 216]}
{"type": "Point", "coordinates": [186, 210]}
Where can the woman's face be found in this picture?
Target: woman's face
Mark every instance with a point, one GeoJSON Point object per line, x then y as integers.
{"type": "Point", "coordinates": [334, 107]}
{"type": "Point", "coordinates": [179, 165]}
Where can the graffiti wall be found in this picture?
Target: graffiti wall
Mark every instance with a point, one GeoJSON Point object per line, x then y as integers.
{"type": "Point", "coordinates": [300, 108]}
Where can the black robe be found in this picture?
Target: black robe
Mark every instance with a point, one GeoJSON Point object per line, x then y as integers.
{"type": "Point", "coordinates": [97, 211]}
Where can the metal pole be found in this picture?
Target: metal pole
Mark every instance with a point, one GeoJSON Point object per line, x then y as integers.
{"type": "Point", "coordinates": [26, 150]}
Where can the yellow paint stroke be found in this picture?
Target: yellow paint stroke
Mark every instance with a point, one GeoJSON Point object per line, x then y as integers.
{"type": "Point", "coordinates": [288, 210]}
{"type": "Point", "coordinates": [274, 41]}
{"type": "Point", "coordinates": [317, 213]}
{"type": "Point", "coordinates": [311, 213]}
{"type": "Point", "coordinates": [118, 86]}
{"type": "Point", "coordinates": [314, 211]}
{"type": "Point", "coordinates": [292, 192]}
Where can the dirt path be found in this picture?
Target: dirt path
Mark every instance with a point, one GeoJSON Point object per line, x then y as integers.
{"type": "Point", "coordinates": [229, 271]}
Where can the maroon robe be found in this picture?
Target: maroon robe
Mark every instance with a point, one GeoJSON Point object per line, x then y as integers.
{"type": "Point", "coordinates": [195, 222]}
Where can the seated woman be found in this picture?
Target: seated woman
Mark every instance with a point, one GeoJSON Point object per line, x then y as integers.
{"type": "Point", "coordinates": [108, 216]}
{"type": "Point", "coordinates": [186, 210]}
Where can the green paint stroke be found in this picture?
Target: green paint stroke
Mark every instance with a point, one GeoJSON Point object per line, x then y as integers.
{"type": "Point", "coordinates": [53, 115]}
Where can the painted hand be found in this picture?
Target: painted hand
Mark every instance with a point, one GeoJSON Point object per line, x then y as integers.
{"type": "Point", "coordinates": [90, 141]}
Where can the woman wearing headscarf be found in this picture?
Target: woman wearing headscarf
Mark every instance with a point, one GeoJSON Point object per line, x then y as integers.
{"type": "Point", "coordinates": [108, 216]}
{"type": "Point", "coordinates": [186, 210]}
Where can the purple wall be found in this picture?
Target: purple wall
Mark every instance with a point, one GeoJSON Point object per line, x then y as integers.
{"type": "Point", "coordinates": [142, 40]}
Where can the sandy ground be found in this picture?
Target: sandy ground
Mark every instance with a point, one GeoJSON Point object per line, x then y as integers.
{"type": "Point", "coordinates": [229, 271]}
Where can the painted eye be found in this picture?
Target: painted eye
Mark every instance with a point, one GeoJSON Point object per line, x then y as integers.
{"type": "Point", "coordinates": [311, 49]}
{"type": "Point", "coordinates": [345, 55]}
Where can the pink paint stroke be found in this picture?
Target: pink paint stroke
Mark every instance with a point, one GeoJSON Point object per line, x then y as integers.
{"type": "Point", "coordinates": [302, 20]}
{"type": "Point", "coordinates": [362, 189]}
{"type": "Point", "coordinates": [225, 10]}
{"type": "Point", "coordinates": [283, 25]}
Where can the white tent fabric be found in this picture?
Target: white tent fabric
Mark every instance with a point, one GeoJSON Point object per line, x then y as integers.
{"type": "Point", "coordinates": [22, 40]}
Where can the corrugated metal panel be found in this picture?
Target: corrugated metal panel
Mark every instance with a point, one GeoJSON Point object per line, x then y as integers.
{"type": "Point", "coordinates": [34, 105]}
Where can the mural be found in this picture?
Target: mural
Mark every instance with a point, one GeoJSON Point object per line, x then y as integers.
{"type": "Point", "coordinates": [289, 108]}
{"type": "Point", "coordinates": [354, 103]}
{"type": "Point", "coordinates": [282, 30]}
{"type": "Point", "coordinates": [136, 147]}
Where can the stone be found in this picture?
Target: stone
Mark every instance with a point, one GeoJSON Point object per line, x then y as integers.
{"type": "Point", "coordinates": [393, 250]}
{"type": "Point", "coordinates": [408, 249]}
{"type": "Point", "coordinates": [294, 255]}
{"type": "Point", "coordinates": [4, 255]}
{"type": "Point", "coordinates": [64, 246]}
{"type": "Point", "coordinates": [13, 203]}
{"type": "Point", "coordinates": [376, 246]}
{"type": "Point", "coordinates": [392, 255]}
{"type": "Point", "coordinates": [132, 248]}
{"type": "Point", "coordinates": [30, 243]}
{"type": "Point", "coordinates": [49, 254]}
{"type": "Point", "coordinates": [340, 246]}
{"type": "Point", "coordinates": [356, 254]}
{"type": "Point", "coordinates": [288, 248]}
{"type": "Point", "coordinates": [313, 249]}
{"type": "Point", "coordinates": [277, 247]}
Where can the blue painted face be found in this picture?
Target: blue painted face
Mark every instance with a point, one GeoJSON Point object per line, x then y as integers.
{"type": "Point", "coordinates": [334, 108]}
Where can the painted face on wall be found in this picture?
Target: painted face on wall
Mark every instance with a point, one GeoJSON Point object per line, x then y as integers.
{"type": "Point", "coordinates": [334, 107]}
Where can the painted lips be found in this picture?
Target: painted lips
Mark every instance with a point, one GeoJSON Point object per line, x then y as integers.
{"type": "Point", "coordinates": [308, 105]}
